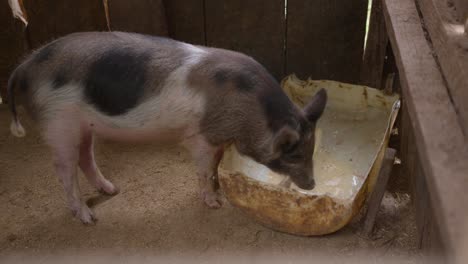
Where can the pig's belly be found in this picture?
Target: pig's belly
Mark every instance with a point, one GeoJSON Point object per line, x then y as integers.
{"type": "Point", "coordinates": [153, 131]}
{"type": "Point", "coordinates": [139, 135]}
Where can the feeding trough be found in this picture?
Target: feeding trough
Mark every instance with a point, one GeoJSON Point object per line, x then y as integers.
{"type": "Point", "coordinates": [351, 138]}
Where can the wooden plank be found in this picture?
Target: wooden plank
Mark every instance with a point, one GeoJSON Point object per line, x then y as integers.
{"type": "Point", "coordinates": [256, 28]}
{"type": "Point", "coordinates": [428, 231]}
{"type": "Point", "coordinates": [390, 68]}
{"type": "Point", "coordinates": [399, 181]}
{"type": "Point", "coordinates": [410, 164]}
{"type": "Point", "coordinates": [440, 142]}
{"type": "Point", "coordinates": [12, 44]}
{"type": "Point", "coordinates": [408, 147]}
{"type": "Point", "coordinates": [186, 20]}
{"type": "Point", "coordinates": [379, 190]}
{"type": "Point", "coordinates": [376, 47]}
{"type": "Point", "coordinates": [461, 6]}
{"type": "Point", "coordinates": [143, 16]}
{"type": "Point", "coordinates": [430, 240]}
{"type": "Point", "coordinates": [325, 38]}
{"type": "Point", "coordinates": [50, 19]}
{"type": "Point", "coordinates": [451, 46]}
{"type": "Point", "coordinates": [421, 199]}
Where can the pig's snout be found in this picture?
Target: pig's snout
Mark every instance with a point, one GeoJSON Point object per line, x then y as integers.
{"type": "Point", "coordinates": [308, 184]}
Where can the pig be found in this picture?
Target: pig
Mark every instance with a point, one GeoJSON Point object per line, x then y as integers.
{"type": "Point", "coordinates": [136, 88]}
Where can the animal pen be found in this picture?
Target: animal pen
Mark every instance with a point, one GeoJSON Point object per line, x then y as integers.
{"type": "Point", "coordinates": [413, 52]}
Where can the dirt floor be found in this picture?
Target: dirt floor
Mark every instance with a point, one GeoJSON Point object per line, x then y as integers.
{"type": "Point", "coordinates": [158, 211]}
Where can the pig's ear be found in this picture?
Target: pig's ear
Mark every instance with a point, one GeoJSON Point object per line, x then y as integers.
{"type": "Point", "coordinates": [315, 108]}
{"type": "Point", "coordinates": [285, 139]}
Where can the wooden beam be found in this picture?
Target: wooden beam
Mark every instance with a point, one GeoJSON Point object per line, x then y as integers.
{"type": "Point", "coordinates": [450, 44]}
{"type": "Point", "coordinates": [429, 239]}
{"type": "Point", "coordinates": [376, 47]}
{"type": "Point", "coordinates": [461, 6]}
{"type": "Point", "coordinates": [440, 142]}
{"type": "Point", "coordinates": [379, 190]}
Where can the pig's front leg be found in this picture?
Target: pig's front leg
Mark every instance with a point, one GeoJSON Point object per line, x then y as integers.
{"type": "Point", "coordinates": [89, 167]}
{"type": "Point", "coordinates": [207, 158]}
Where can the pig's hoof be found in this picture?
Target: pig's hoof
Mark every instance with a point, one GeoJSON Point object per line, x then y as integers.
{"type": "Point", "coordinates": [212, 200]}
{"type": "Point", "coordinates": [108, 188]}
{"type": "Point", "coordinates": [85, 215]}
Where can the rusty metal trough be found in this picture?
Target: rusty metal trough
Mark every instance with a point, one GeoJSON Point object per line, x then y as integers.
{"type": "Point", "coordinates": [351, 139]}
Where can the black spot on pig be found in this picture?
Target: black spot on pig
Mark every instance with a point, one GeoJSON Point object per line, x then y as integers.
{"type": "Point", "coordinates": [45, 53]}
{"type": "Point", "coordinates": [221, 76]}
{"type": "Point", "coordinates": [241, 79]}
{"type": "Point", "coordinates": [278, 109]}
{"type": "Point", "coordinates": [59, 79]}
{"type": "Point", "coordinates": [115, 82]}
{"type": "Point", "coordinates": [244, 81]}
{"type": "Point", "coordinates": [275, 165]}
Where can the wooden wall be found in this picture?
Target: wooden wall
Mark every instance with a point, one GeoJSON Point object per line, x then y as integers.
{"type": "Point", "coordinates": [433, 144]}
{"type": "Point", "coordinates": [429, 237]}
{"type": "Point", "coordinates": [409, 176]}
{"type": "Point", "coordinates": [253, 27]}
{"type": "Point", "coordinates": [186, 20]}
{"type": "Point", "coordinates": [142, 16]}
{"type": "Point", "coordinates": [322, 39]}
{"type": "Point", "coordinates": [12, 45]}
{"type": "Point", "coordinates": [49, 19]}
{"type": "Point", "coordinates": [325, 38]}
{"type": "Point", "coordinates": [450, 46]}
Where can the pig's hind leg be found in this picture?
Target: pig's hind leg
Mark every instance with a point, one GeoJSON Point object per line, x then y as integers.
{"type": "Point", "coordinates": [63, 134]}
{"type": "Point", "coordinates": [89, 167]}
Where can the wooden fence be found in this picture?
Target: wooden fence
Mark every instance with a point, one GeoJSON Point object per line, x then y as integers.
{"type": "Point", "coordinates": [323, 39]}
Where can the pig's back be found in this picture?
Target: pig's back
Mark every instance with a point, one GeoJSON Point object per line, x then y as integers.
{"type": "Point", "coordinates": [114, 70]}
{"type": "Point", "coordinates": [123, 78]}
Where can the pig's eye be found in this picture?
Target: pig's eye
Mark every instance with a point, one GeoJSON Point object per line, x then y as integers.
{"type": "Point", "coordinates": [296, 157]}
{"type": "Point", "coordinates": [290, 148]}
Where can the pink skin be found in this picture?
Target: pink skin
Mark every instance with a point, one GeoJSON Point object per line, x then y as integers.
{"type": "Point", "coordinates": [207, 158]}
{"type": "Point", "coordinates": [72, 145]}
{"type": "Point", "coordinates": [63, 136]}
{"type": "Point", "coordinates": [89, 167]}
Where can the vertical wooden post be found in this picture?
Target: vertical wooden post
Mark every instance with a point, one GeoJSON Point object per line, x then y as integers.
{"type": "Point", "coordinates": [379, 189]}
{"type": "Point", "coordinates": [376, 47]}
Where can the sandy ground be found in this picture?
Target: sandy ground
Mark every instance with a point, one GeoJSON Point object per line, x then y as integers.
{"type": "Point", "coordinates": [157, 211]}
